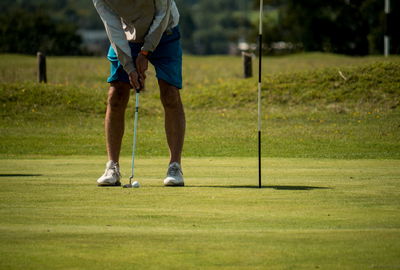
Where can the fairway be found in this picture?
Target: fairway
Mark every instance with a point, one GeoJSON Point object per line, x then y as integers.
{"type": "Point", "coordinates": [331, 168]}
{"type": "Point", "coordinates": [310, 214]}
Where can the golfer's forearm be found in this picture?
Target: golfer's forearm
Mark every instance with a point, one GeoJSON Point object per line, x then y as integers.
{"type": "Point", "coordinates": [126, 61]}
{"type": "Point", "coordinates": [159, 24]}
{"type": "Point", "coordinates": [116, 34]}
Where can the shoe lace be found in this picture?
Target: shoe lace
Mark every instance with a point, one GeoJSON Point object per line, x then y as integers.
{"type": "Point", "coordinates": [174, 171]}
{"type": "Point", "coordinates": [112, 171]}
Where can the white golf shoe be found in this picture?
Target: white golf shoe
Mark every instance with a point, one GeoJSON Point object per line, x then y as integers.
{"type": "Point", "coordinates": [174, 175]}
{"type": "Point", "coordinates": [111, 176]}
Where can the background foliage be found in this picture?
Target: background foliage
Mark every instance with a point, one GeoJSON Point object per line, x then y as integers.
{"type": "Point", "coordinates": [22, 31]}
{"type": "Point", "coordinates": [353, 27]}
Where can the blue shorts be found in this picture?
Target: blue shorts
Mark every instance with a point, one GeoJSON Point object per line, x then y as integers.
{"type": "Point", "coordinates": [166, 59]}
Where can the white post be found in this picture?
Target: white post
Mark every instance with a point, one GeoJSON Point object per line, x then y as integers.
{"type": "Point", "coordinates": [386, 38]}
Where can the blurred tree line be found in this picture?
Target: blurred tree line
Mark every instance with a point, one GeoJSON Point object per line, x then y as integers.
{"type": "Point", "coordinates": [354, 27]}
{"type": "Point", "coordinates": [31, 26]}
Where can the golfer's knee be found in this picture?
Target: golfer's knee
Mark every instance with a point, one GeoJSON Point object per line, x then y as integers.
{"type": "Point", "coordinates": [118, 96]}
{"type": "Point", "coordinates": [170, 101]}
{"type": "Point", "coordinates": [170, 98]}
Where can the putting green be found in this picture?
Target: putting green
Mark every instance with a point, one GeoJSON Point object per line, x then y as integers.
{"type": "Point", "coordinates": [311, 213]}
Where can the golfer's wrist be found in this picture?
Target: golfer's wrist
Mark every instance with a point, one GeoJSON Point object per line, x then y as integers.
{"type": "Point", "coordinates": [144, 53]}
{"type": "Point", "coordinates": [129, 68]}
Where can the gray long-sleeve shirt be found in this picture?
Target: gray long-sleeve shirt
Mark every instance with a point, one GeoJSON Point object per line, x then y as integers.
{"type": "Point", "coordinates": [136, 21]}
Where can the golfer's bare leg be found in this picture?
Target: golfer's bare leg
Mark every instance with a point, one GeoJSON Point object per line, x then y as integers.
{"type": "Point", "coordinates": [118, 97]}
{"type": "Point", "coordinates": [174, 119]}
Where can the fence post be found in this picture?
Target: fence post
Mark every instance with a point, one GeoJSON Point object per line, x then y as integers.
{"type": "Point", "coordinates": [247, 64]}
{"type": "Point", "coordinates": [41, 60]}
{"type": "Point", "coordinates": [387, 30]}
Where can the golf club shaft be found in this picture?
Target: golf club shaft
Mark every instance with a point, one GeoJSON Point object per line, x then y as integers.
{"type": "Point", "coordinates": [134, 135]}
{"type": "Point", "coordinates": [259, 91]}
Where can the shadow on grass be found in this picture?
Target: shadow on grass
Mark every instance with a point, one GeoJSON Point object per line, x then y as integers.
{"type": "Point", "coordinates": [18, 175]}
{"type": "Point", "coordinates": [272, 187]}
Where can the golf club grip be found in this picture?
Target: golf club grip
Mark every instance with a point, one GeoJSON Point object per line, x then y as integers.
{"type": "Point", "coordinates": [140, 87]}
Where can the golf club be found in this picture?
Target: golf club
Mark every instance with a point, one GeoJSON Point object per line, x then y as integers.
{"type": "Point", "coordinates": [135, 184]}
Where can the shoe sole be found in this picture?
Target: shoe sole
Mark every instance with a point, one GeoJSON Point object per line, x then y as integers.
{"type": "Point", "coordinates": [117, 184]}
{"type": "Point", "coordinates": [175, 185]}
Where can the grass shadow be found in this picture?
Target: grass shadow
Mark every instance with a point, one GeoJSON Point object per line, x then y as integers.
{"type": "Point", "coordinates": [18, 175]}
{"type": "Point", "coordinates": [272, 187]}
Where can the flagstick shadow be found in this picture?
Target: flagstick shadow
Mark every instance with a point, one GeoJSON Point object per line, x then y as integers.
{"type": "Point", "coordinates": [278, 187]}
{"type": "Point", "coordinates": [18, 175]}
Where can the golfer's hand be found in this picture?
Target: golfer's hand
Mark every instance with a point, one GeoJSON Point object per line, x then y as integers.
{"type": "Point", "coordinates": [142, 64]}
{"type": "Point", "coordinates": [134, 79]}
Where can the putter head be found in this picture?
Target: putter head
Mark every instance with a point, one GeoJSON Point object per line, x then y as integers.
{"type": "Point", "coordinates": [134, 185]}
{"type": "Point", "coordinates": [130, 183]}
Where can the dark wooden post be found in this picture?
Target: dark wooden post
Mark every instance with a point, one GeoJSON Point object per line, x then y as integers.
{"type": "Point", "coordinates": [387, 28]}
{"type": "Point", "coordinates": [41, 60]}
{"type": "Point", "coordinates": [247, 64]}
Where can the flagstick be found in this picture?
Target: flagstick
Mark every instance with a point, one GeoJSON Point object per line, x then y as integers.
{"type": "Point", "coordinates": [259, 91]}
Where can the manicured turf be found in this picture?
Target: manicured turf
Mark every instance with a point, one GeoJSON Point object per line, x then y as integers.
{"type": "Point", "coordinates": [331, 159]}
{"type": "Point", "coordinates": [309, 110]}
{"type": "Point", "coordinates": [311, 213]}
{"type": "Point", "coordinates": [213, 133]}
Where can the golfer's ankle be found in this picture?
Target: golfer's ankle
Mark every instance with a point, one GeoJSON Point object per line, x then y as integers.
{"type": "Point", "coordinates": [113, 159]}
{"type": "Point", "coordinates": [177, 160]}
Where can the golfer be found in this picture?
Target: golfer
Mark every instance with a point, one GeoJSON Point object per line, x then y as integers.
{"type": "Point", "coordinates": [142, 31]}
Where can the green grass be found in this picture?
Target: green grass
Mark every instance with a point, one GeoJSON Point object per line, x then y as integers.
{"type": "Point", "coordinates": [330, 168]}
{"type": "Point", "coordinates": [309, 113]}
{"type": "Point", "coordinates": [312, 213]}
